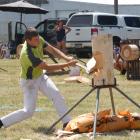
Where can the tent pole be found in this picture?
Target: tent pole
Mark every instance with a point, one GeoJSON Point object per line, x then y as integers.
{"type": "Point", "coordinates": [116, 6]}
{"type": "Point", "coordinates": [20, 19]}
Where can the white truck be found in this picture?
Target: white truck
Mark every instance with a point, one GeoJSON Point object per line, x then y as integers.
{"type": "Point", "coordinates": [84, 24]}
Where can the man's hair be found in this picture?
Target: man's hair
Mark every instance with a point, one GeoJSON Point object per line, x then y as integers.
{"type": "Point", "coordinates": [30, 33]}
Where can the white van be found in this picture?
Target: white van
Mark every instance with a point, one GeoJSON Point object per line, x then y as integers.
{"type": "Point", "coordinates": [84, 24]}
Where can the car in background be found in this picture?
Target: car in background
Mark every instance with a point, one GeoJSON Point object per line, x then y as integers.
{"type": "Point", "coordinates": [45, 29]}
{"type": "Point", "coordinates": [86, 24]}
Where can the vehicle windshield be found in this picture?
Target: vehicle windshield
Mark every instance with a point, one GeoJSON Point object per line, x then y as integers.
{"type": "Point", "coordinates": [80, 21]}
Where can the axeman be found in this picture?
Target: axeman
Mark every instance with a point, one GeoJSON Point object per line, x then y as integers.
{"type": "Point", "coordinates": [33, 80]}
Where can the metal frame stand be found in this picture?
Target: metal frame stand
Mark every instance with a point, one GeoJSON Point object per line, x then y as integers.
{"type": "Point", "coordinates": [97, 104]}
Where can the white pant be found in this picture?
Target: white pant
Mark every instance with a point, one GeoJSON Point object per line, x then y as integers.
{"type": "Point", "coordinates": [30, 89]}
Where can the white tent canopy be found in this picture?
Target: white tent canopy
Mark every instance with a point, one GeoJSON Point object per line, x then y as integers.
{"type": "Point", "coordinates": [110, 2]}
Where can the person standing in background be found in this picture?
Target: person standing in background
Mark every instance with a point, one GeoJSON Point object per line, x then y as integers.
{"type": "Point", "coordinates": [61, 31]}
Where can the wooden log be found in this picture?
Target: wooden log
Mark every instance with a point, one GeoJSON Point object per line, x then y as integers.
{"type": "Point", "coordinates": [130, 52]}
{"type": "Point", "coordinates": [102, 48]}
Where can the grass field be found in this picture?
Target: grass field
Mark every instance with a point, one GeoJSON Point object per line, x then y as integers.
{"type": "Point", "coordinates": [35, 127]}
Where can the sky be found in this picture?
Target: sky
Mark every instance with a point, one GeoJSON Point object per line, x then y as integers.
{"type": "Point", "coordinates": [110, 1]}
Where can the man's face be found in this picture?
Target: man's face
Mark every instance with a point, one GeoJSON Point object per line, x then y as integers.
{"type": "Point", "coordinates": [34, 41]}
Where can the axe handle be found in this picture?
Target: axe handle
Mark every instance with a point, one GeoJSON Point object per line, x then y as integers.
{"type": "Point", "coordinates": [81, 66]}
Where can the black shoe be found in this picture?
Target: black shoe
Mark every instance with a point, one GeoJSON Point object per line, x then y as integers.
{"type": "Point", "coordinates": [64, 125]}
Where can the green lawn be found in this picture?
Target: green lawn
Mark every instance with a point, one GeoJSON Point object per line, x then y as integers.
{"type": "Point", "coordinates": [35, 127]}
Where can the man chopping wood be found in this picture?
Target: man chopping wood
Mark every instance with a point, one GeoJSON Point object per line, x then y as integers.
{"type": "Point", "coordinates": [32, 78]}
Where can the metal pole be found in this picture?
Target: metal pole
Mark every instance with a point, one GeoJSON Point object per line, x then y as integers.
{"type": "Point", "coordinates": [112, 101]}
{"type": "Point", "coordinates": [20, 20]}
{"type": "Point", "coordinates": [136, 104]}
{"type": "Point", "coordinates": [95, 117]}
{"type": "Point", "coordinates": [55, 123]}
{"type": "Point", "coordinates": [116, 6]}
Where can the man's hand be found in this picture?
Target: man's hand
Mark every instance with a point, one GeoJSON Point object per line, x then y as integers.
{"type": "Point", "coordinates": [70, 58]}
{"type": "Point", "coordinates": [72, 62]}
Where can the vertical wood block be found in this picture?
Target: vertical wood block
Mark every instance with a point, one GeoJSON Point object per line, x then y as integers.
{"type": "Point", "coordinates": [102, 51]}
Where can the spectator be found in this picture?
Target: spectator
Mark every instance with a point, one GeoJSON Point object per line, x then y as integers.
{"type": "Point", "coordinates": [119, 63]}
{"type": "Point", "coordinates": [61, 31]}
